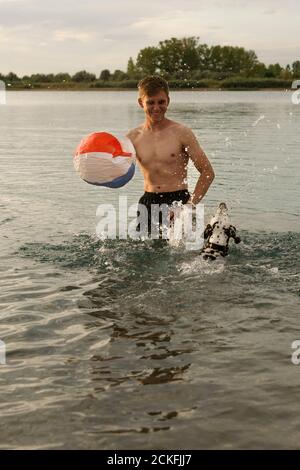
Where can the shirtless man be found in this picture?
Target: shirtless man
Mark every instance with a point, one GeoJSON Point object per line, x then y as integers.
{"type": "Point", "coordinates": [163, 149]}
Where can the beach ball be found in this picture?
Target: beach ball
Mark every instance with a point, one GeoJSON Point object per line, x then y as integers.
{"type": "Point", "coordinates": [105, 160]}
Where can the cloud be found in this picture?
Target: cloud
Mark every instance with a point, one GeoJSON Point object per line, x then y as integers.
{"type": "Point", "coordinates": [71, 34]}
{"type": "Point", "coordinates": [269, 12]}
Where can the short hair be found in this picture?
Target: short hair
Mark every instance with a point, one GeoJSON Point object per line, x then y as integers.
{"type": "Point", "coordinates": [152, 84]}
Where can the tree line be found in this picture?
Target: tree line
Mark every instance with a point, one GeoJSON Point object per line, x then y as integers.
{"type": "Point", "coordinates": [188, 58]}
{"type": "Point", "coordinates": [180, 60]}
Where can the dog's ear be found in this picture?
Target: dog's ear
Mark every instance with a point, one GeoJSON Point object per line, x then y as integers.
{"type": "Point", "coordinates": [233, 234]}
{"type": "Point", "coordinates": [232, 231]}
{"type": "Point", "coordinates": [208, 231]}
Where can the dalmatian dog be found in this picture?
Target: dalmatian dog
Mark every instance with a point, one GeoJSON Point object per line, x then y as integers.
{"type": "Point", "coordinates": [218, 233]}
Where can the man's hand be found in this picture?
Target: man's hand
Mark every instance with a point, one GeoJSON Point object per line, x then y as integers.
{"type": "Point", "coordinates": [190, 204]}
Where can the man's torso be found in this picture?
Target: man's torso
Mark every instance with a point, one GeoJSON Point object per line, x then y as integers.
{"type": "Point", "coordinates": [162, 157]}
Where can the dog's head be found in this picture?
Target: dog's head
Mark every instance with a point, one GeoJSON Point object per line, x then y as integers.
{"type": "Point", "coordinates": [218, 233]}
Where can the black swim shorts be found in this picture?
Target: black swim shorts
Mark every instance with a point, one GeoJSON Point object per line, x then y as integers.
{"type": "Point", "coordinates": [158, 201]}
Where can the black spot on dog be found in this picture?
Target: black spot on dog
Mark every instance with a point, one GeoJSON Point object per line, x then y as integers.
{"type": "Point", "coordinates": [209, 257]}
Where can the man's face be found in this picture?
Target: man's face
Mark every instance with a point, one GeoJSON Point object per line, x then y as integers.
{"type": "Point", "coordinates": [155, 106]}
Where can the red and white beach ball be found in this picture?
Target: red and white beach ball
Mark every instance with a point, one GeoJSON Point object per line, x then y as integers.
{"type": "Point", "coordinates": [105, 160]}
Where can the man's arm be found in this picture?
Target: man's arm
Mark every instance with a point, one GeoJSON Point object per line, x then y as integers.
{"type": "Point", "coordinates": [131, 135]}
{"type": "Point", "coordinates": [202, 164]}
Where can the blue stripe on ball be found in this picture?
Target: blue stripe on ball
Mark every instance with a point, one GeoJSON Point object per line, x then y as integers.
{"type": "Point", "coordinates": [118, 182]}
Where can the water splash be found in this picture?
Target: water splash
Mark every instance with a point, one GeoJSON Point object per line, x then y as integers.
{"type": "Point", "coordinates": [261, 117]}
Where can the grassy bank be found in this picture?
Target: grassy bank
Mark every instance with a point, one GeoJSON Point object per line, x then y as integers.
{"type": "Point", "coordinates": [227, 84]}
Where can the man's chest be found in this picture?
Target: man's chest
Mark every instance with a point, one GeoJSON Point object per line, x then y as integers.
{"type": "Point", "coordinates": [159, 150]}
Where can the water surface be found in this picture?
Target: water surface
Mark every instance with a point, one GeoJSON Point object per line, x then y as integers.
{"type": "Point", "coordinates": [126, 344]}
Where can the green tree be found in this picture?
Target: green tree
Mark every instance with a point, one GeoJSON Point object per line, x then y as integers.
{"type": "Point", "coordinates": [296, 69]}
{"type": "Point", "coordinates": [178, 57]}
{"type": "Point", "coordinates": [147, 61]}
{"type": "Point", "coordinates": [203, 51]}
{"type": "Point", "coordinates": [131, 68]}
{"type": "Point", "coordinates": [105, 75]}
{"type": "Point", "coordinates": [286, 73]}
{"type": "Point", "coordinates": [119, 75]}
{"type": "Point", "coordinates": [259, 70]}
{"type": "Point", "coordinates": [42, 78]}
{"type": "Point", "coordinates": [12, 77]}
{"type": "Point", "coordinates": [273, 71]}
{"type": "Point", "coordinates": [190, 54]}
{"type": "Point", "coordinates": [230, 60]}
{"type": "Point", "coordinates": [62, 77]}
{"type": "Point", "coordinates": [187, 58]}
{"type": "Point", "coordinates": [215, 59]}
{"type": "Point", "coordinates": [83, 76]}
{"type": "Point", "coordinates": [248, 62]}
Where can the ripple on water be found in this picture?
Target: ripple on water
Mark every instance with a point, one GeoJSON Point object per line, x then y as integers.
{"type": "Point", "coordinates": [116, 328]}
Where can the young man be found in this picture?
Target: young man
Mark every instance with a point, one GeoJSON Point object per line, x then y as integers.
{"type": "Point", "coordinates": [163, 149]}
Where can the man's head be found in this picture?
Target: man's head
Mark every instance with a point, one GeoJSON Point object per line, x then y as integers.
{"type": "Point", "coordinates": [154, 97]}
{"type": "Point", "coordinates": [151, 85]}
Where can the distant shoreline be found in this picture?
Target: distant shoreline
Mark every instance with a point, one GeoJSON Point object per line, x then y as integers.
{"type": "Point", "coordinates": [93, 90]}
{"type": "Point", "coordinates": [230, 84]}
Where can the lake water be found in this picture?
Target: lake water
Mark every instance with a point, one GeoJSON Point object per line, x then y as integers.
{"type": "Point", "coordinates": [126, 344]}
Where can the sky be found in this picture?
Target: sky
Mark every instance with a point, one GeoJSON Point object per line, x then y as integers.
{"type": "Point", "coordinates": [51, 36]}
